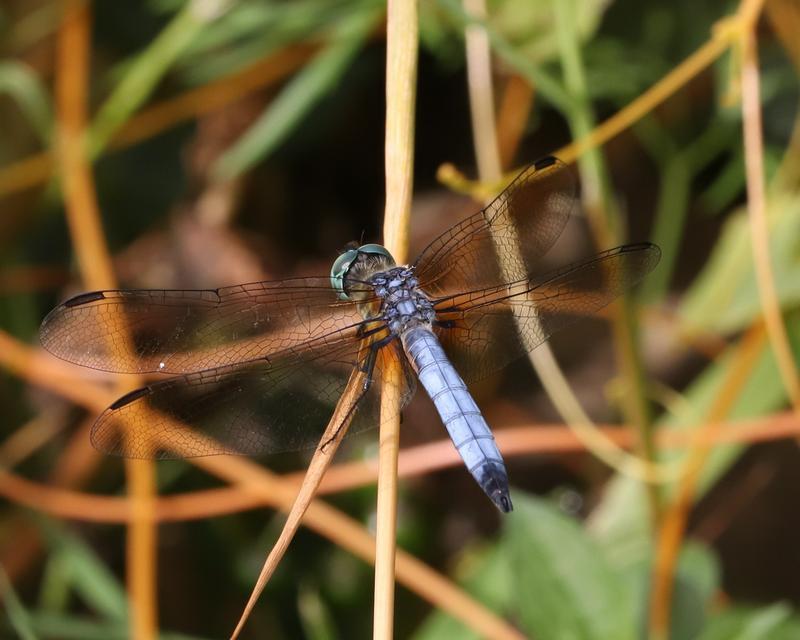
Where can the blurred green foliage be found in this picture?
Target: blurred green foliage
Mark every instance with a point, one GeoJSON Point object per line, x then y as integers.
{"type": "Point", "coordinates": [308, 157]}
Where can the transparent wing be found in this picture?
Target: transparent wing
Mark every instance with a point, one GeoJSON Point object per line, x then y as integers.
{"type": "Point", "coordinates": [503, 242]}
{"type": "Point", "coordinates": [266, 406]}
{"type": "Point", "coordinates": [483, 329]}
{"type": "Point", "coordinates": [145, 331]}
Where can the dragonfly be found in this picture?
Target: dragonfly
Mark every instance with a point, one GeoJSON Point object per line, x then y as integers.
{"type": "Point", "coordinates": [257, 368]}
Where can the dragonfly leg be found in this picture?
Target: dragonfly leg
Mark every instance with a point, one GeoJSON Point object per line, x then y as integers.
{"type": "Point", "coordinates": [368, 368]}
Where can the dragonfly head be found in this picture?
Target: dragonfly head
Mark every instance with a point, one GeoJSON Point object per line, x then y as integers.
{"type": "Point", "coordinates": [358, 263]}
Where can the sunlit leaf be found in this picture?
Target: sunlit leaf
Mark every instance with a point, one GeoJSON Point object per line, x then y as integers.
{"type": "Point", "coordinates": [564, 587]}
{"type": "Point", "coordinates": [725, 296]}
{"type": "Point", "coordinates": [20, 82]}
{"type": "Point", "coordinates": [775, 622]}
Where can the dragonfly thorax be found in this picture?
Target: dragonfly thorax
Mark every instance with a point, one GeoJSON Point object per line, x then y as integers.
{"type": "Point", "coordinates": [403, 304]}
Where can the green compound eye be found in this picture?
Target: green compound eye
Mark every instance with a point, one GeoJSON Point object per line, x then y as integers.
{"type": "Point", "coordinates": [339, 270]}
{"type": "Point", "coordinates": [342, 265]}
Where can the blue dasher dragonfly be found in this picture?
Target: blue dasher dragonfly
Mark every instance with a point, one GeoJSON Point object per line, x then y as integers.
{"type": "Point", "coordinates": [257, 368]}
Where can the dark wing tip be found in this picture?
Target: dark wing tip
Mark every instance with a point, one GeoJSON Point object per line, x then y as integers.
{"type": "Point", "coordinates": [543, 163]}
{"type": "Point", "coordinates": [652, 252]}
{"type": "Point", "coordinates": [84, 298]}
{"type": "Point", "coordinates": [130, 397]}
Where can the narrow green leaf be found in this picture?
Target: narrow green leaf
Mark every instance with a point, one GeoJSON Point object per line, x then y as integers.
{"type": "Point", "coordinates": [315, 617]}
{"type": "Point", "coordinates": [23, 85]}
{"type": "Point", "coordinates": [88, 575]}
{"type": "Point", "coordinates": [563, 586]}
{"type": "Point", "coordinates": [63, 627]}
{"type": "Point", "coordinates": [147, 69]}
{"type": "Point", "coordinates": [297, 98]}
{"type": "Point", "coordinates": [549, 87]}
{"type": "Point", "coordinates": [725, 297]}
{"type": "Point", "coordinates": [775, 622]}
{"type": "Point", "coordinates": [55, 589]}
{"type": "Point", "coordinates": [17, 615]}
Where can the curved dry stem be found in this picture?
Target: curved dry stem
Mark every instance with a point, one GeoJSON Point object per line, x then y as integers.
{"type": "Point", "coordinates": [757, 214]}
{"type": "Point", "coordinates": [272, 491]}
{"type": "Point", "coordinates": [721, 38]}
{"type": "Point", "coordinates": [83, 217]}
{"type": "Point", "coordinates": [673, 526]}
{"type": "Point", "coordinates": [321, 460]}
{"type": "Point", "coordinates": [514, 440]}
{"type": "Point", "coordinates": [37, 168]}
{"type": "Point", "coordinates": [479, 74]}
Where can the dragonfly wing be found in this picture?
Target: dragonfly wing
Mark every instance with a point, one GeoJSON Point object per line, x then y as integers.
{"type": "Point", "coordinates": [484, 329]}
{"type": "Point", "coordinates": [265, 406]}
{"type": "Point", "coordinates": [173, 331]}
{"type": "Point", "coordinates": [503, 242]}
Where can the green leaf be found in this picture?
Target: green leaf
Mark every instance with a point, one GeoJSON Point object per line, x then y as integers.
{"type": "Point", "coordinates": [87, 573]}
{"type": "Point", "coordinates": [23, 85]}
{"type": "Point", "coordinates": [486, 575]}
{"type": "Point", "coordinates": [563, 586]}
{"type": "Point", "coordinates": [298, 97]}
{"type": "Point", "coordinates": [620, 521]}
{"type": "Point", "coordinates": [17, 615]}
{"type": "Point", "coordinates": [775, 622]}
{"type": "Point", "coordinates": [50, 625]}
{"type": "Point", "coordinates": [147, 69]}
{"type": "Point", "coordinates": [725, 295]}
{"type": "Point", "coordinates": [696, 583]}
{"type": "Point", "coordinates": [315, 616]}
{"type": "Point", "coordinates": [529, 27]}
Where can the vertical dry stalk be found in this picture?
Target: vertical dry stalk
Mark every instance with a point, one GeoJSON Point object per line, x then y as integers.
{"type": "Point", "coordinates": [673, 527]}
{"type": "Point", "coordinates": [756, 209]}
{"type": "Point", "coordinates": [72, 73]}
{"type": "Point", "coordinates": [401, 78]}
{"type": "Point", "coordinates": [479, 75]}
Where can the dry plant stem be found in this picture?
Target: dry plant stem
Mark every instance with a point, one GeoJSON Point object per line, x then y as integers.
{"type": "Point", "coordinates": [274, 491]}
{"type": "Point", "coordinates": [673, 524]}
{"type": "Point", "coordinates": [697, 62]}
{"type": "Point", "coordinates": [321, 460]}
{"type": "Point", "coordinates": [38, 168]}
{"type": "Point", "coordinates": [95, 263]}
{"type": "Point", "coordinates": [515, 107]}
{"type": "Point", "coordinates": [29, 438]}
{"type": "Point", "coordinates": [479, 73]}
{"type": "Point", "coordinates": [672, 531]}
{"type": "Point", "coordinates": [401, 79]}
{"type": "Point", "coordinates": [756, 208]}
{"type": "Point", "coordinates": [420, 460]}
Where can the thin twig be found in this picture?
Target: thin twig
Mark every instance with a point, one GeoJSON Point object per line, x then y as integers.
{"type": "Point", "coordinates": [321, 460]}
{"type": "Point", "coordinates": [757, 214]}
{"type": "Point", "coordinates": [95, 263]}
{"type": "Point", "coordinates": [673, 525]}
{"type": "Point", "coordinates": [718, 43]}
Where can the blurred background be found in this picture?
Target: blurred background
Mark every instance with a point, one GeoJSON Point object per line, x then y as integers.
{"type": "Point", "coordinates": [242, 140]}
